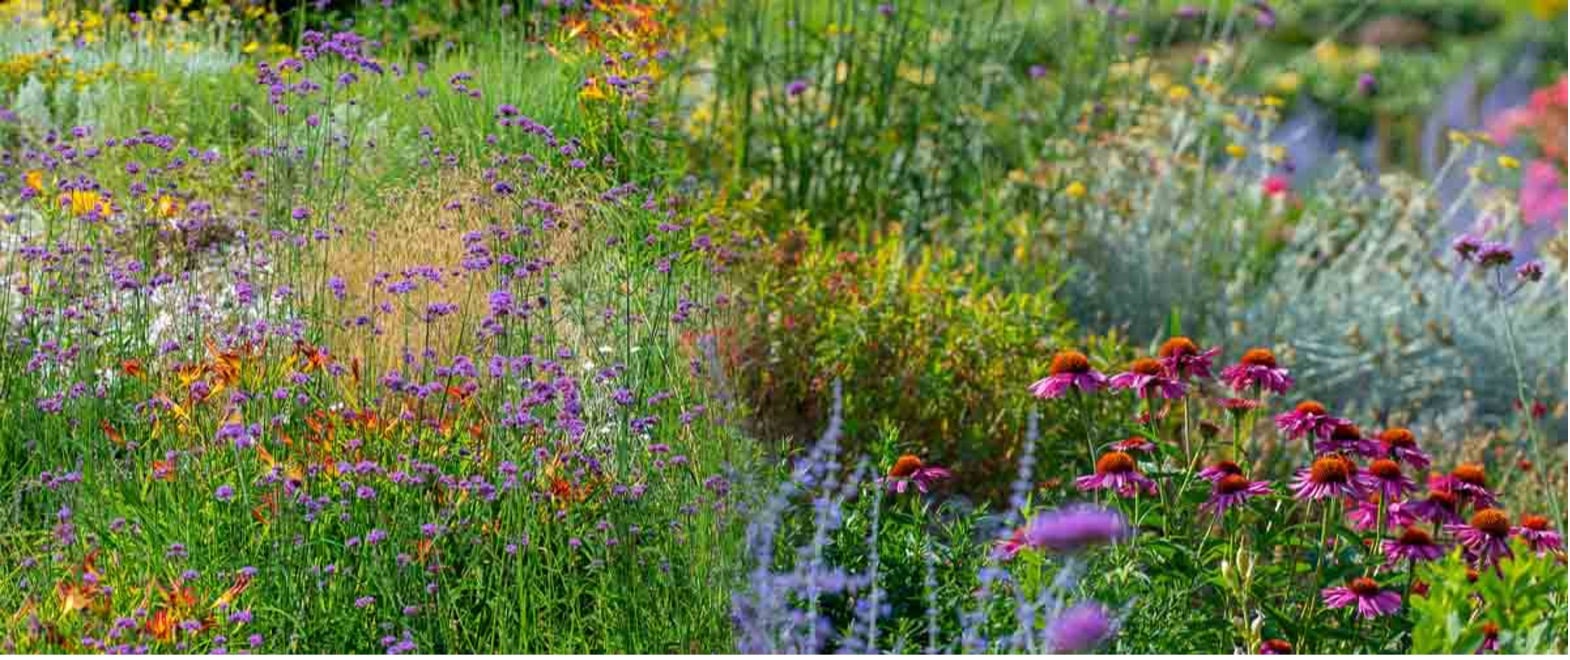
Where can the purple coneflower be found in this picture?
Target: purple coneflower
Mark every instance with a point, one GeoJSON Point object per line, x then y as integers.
{"type": "Point", "coordinates": [1257, 368]}
{"type": "Point", "coordinates": [1275, 647]}
{"type": "Point", "coordinates": [910, 470]}
{"type": "Point", "coordinates": [1470, 483]}
{"type": "Point", "coordinates": [1534, 530]}
{"type": "Point", "coordinates": [1069, 370]}
{"type": "Point", "coordinates": [1365, 593]}
{"type": "Point", "coordinates": [1080, 628]}
{"type": "Point", "coordinates": [1219, 470]}
{"type": "Point", "coordinates": [1347, 438]}
{"type": "Point", "coordinates": [1116, 471]}
{"type": "Point", "coordinates": [1076, 527]}
{"type": "Point", "coordinates": [1135, 443]}
{"type": "Point", "coordinates": [1007, 548]}
{"type": "Point", "coordinates": [1147, 377]}
{"type": "Point", "coordinates": [1440, 506]}
{"type": "Point", "coordinates": [1365, 516]}
{"type": "Point", "coordinates": [1485, 537]}
{"type": "Point", "coordinates": [1233, 490]}
{"type": "Point", "coordinates": [1384, 476]}
{"type": "Point", "coordinates": [1308, 418]}
{"type": "Point", "coordinates": [1183, 358]}
{"type": "Point", "coordinates": [1329, 477]}
{"type": "Point", "coordinates": [1412, 545]}
{"type": "Point", "coordinates": [1400, 444]}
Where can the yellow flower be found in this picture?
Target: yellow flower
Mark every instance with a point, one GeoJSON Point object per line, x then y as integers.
{"type": "Point", "coordinates": [1326, 52]}
{"type": "Point", "coordinates": [1276, 153]}
{"type": "Point", "coordinates": [1287, 82]}
{"type": "Point", "coordinates": [165, 206]}
{"type": "Point", "coordinates": [1178, 93]}
{"type": "Point", "coordinates": [1509, 162]}
{"type": "Point", "coordinates": [1460, 138]}
{"type": "Point", "coordinates": [81, 203]}
{"type": "Point", "coordinates": [1236, 150]}
{"type": "Point", "coordinates": [34, 179]}
{"type": "Point", "coordinates": [250, 47]}
{"type": "Point", "coordinates": [1075, 190]}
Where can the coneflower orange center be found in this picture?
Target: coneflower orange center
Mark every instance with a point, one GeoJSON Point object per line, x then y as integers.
{"type": "Point", "coordinates": [1363, 586]}
{"type": "Point", "coordinates": [1490, 629]}
{"type": "Point", "coordinates": [1178, 347]}
{"type": "Point", "coordinates": [1471, 473]}
{"type": "Point", "coordinates": [1415, 536]}
{"type": "Point", "coordinates": [1385, 468]}
{"type": "Point", "coordinates": [1330, 470]}
{"type": "Point", "coordinates": [1114, 463]}
{"type": "Point", "coordinates": [905, 466]}
{"type": "Point", "coordinates": [1232, 483]}
{"type": "Point", "coordinates": [1398, 437]}
{"type": "Point", "coordinates": [1259, 357]}
{"type": "Point", "coordinates": [1227, 467]}
{"type": "Point", "coordinates": [1069, 362]}
{"type": "Point", "coordinates": [1535, 523]}
{"type": "Point", "coordinates": [1145, 367]}
{"type": "Point", "coordinates": [1492, 522]}
{"type": "Point", "coordinates": [1311, 408]}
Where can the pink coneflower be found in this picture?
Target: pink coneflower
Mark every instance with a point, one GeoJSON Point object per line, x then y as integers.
{"type": "Point", "coordinates": [1400, 444]}
{"type": "Point", "coordinates": [1329, 477]}
{"type": "Point", "coordinates": [1117, 472]}
{"type": "Point", "coordinates": [1440, 506]}
{"type": "Point", "coordinates": [909, 470]}
{"type": "Point", "coordinates": [1237, 407]}
{"type": "Point", "coordinates": [1257, 368]}
{"type": "Point", "coordinates": [1308, 418]}
{"type": "Point", "coordinates": [1490, 638]}
{"type": "Point", "coordinates": [1384, 476]}
{"type": "Point", "coordinates": [1347, 438]}
{"type": "Point", "coordinates": [1135, 443]}
{"type": "Point", "coordinates": [1183, 358]}
{"type": "Point", "coordinates": [1275, 185]}
{"type": "Point", "coordinates": [1219, 470]}
{"type": "Point", "coordinates": [1365, 515]}
{"type": "Point", "coordinates": [1486, 536]}
{"type": "Point", "coordinates": [1007, 548]}
{"type": "Point", "coordinates": [1534, 530]}
{"type": "Point", "coordinates": [1233, 490]}
{"type": "Point", "coordinates": [1275, 647]}
{"type": "Point", "coordinates": [1069, 370]}
{"type": "Point", "coordinates": [1365, 593]}
{"type": "Point", "coordinates": [1470, 483]}
{"type": "Point", "coordinates": [1147, 378]}
{"type": "Point", "coordinates": [1412, 545]}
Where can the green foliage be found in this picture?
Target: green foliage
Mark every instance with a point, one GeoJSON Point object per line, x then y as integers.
{"type": "Point", "coordinates": [923, 340]}
{"type": "Point", "coordinates": [1523, 599]}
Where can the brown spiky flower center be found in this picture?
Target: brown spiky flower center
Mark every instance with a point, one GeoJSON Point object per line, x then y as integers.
{"type": "Point", "coordinates": [1346, 432]}
{"type": "Point", "coordinates": [1490, 629]}
{"type": "Point", "coordinates": [1145, 367]}
{"type": "Point", "coordinates": [1232, 483]}
{"type": "Point", "coordinates": [1386, 469]}
{"type": "Point", "coordinates": [1330, 470]}
{"type": "Point", "coordinates": [1415, 536]}
{"type": "Point", "coordinates": [905, 466]}
{"type": "Point", "coordinates": [1115, 463]}
{"type": "Point", "coordinates": [1492, 522]}
{"type": "Point", "coordinates": [1311, 408]}
{"type": "Point", "coordinates": [1398, 437]}
{"type": "Point", "coordinates": [1365, 587]}
{"type": "Point", "coordinates": [1443, 498]}
{"type": "Point", "coordinates": [1069, 362]}
{"type": "Point", "coordinates": [1471, 473]}
{"type": "Point", "coordinates": [1259, 357]}
{"type": "Point", "coordinates": [1535, 523]}
{"type": "Point", "coordinates": [1227, 467]}
{"type": "Point", "coordinates": [1178, 347]}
